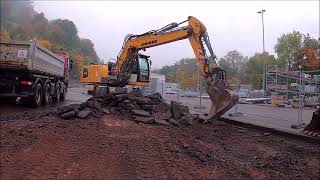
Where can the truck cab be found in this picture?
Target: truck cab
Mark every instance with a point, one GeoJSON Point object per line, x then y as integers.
{"type": "Point", "coordinates": [67, 63]}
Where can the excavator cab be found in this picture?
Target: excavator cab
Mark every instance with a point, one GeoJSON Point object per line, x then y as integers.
{"type": "Point", "coordinates": [103, 74]}
{"type": "Point", "coordinates": [141, 71]}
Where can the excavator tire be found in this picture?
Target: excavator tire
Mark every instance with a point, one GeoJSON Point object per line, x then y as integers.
{"type": "Point", "coordinates": [313, 128]}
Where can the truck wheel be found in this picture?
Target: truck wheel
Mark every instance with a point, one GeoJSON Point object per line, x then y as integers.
{"type": "Point", "coordinates": [57, 97]}
{"type": "Point", "coordinates": [46, 94]}
{"type": "Point", "coordinates": [63, 94]}
{"type": "Point", "coordinates": [36, 99]}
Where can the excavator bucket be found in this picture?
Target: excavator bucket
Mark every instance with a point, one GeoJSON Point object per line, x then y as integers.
{"type": "Point", "coordinates": [222, 97]}
{"type": "Point", "coordinates": [313, 128]}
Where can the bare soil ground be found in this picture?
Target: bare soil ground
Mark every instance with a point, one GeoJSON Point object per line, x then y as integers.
{"type": "Point", "coordinates": [41, 146]}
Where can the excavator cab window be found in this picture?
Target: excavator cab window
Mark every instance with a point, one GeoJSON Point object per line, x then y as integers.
{"type": "Point", "coordinates": [143, 67]}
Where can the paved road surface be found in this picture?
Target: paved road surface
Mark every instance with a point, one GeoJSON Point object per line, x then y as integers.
{"type": "Point", "coordinates": [263, 115]}
{"type": "Point", "coordinates": [74, 95]}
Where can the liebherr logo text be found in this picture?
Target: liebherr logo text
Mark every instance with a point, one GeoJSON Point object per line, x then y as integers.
{"type": "Point", "coordinates": [148, 43]}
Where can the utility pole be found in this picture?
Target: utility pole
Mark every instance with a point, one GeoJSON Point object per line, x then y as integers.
{"type": "Point", "coordinates": [263, 60]}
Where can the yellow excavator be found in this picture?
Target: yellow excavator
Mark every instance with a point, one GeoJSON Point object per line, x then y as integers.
{"type": "Point", "coordinates": [133, 68]}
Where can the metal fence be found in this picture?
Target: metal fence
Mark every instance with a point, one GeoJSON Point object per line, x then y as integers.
{"type": "Point", "coordinates": [284, 107]}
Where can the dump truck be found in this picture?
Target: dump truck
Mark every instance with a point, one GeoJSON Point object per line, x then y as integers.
{"type": "Point", "coordinates": [32, 72]}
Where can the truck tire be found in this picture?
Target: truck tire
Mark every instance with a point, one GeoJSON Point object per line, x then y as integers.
{"type": "Point", "coordinates": [46, 94]}
{"type": "Point", "coordinates": [36, 99]}
{"type": "Point", "coordinates": [57, 94]}
{"type": "Point", "coordinates": [63, 94]}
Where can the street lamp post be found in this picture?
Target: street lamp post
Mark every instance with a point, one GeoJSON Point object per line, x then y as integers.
{"type": "Point", "coordinates": [263, 47]}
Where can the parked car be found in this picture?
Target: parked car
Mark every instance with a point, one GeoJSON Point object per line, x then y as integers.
{"type": "Point", "coordinates": [242, 97]}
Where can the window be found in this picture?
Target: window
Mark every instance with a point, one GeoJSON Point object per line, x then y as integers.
{"type": "Point", "coordinates": [144, 69]}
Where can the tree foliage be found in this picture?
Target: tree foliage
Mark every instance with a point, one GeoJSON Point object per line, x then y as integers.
{"type": "Point", "coordinates": [185, 71]}
{"type": "Point", "coordinates": [308, 51]}
{"type": "Point", "coordinates": [255, 68]}
{"type": "Point", "coordinates": [292, 47]}
{"type": "Point", "coordinates": [44, 43]}
{"type": "Point", "coordinates": [287, 46]}
{"type": "Point", "coordinates": [233, 63]}
{"type": "Point", "coordinates": [19, 21]}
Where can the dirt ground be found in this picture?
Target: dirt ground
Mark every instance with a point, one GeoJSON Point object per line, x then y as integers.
{"type": "Point", "coordinates": [42, 146]}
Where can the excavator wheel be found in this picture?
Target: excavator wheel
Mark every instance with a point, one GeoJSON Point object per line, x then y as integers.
{"type": "Point", "coordinates": [222, 97]}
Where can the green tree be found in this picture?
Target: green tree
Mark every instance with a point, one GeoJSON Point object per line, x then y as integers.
{"type": "Point", "coordinates": [39, 27]}
{"type": "Point", "coordinates": [87, 48]}
{"type": "Point", "coordinates": [287, 46]}
{"type": "Point", "coordinates": [226, 65]}
{"type": "Point", "coordinates": [71, 38]}
{"type": "Point", "coordinates": [169, 72]}
{"type": "Point", "coordinates": [254, 68]}
{"type": "Point", "coordinates": [232, 62]}
{"type": "Point", "coordinates": [19, 21]}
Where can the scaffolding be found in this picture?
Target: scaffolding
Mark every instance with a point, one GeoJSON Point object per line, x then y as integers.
{"type": "Point", "coordinates": [292, 83]}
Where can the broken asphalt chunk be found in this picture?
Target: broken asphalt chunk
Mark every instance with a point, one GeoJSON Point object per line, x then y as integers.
{"type": "Point", "coordinates": [162, 122]}
{"type": "Point", "coordinates": [145, 120]}
{"type": "Point", "coordinates": [140, 112]}
{"type": "Point", "coordinates": [69, 114]}
{"type": "Point", "coordinates": [84, 113]}
{"type": "Point", "coordinates": [67, 108]}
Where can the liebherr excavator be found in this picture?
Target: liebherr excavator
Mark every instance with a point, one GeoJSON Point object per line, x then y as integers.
{"type": "Point", "coordinates": [132, 68]}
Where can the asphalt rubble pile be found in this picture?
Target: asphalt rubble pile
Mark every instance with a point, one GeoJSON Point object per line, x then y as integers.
{"type": "Point", "coordinates": [149, 109]}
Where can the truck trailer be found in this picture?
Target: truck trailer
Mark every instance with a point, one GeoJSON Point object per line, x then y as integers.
{"type": "Point", "coordinates": [32, 72]}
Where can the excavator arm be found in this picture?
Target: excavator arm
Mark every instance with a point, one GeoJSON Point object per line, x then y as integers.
{"type": "Point", "coordinates": [195, 32]}
{"type": "Point", "coordinates": [222, 97]}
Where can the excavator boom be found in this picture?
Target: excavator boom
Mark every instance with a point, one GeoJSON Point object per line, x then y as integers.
{"type": "Point", "coordinates": [222, 97]}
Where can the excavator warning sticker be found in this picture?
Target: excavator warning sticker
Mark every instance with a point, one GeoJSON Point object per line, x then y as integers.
{"type": "Point", "coordinates": [22, 53]}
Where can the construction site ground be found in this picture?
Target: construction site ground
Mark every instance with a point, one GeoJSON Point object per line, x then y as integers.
{"type": "Point", "coordinates": [37, 145]}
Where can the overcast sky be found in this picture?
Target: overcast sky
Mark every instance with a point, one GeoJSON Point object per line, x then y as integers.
{"type": "Point", "coordinates": [231, 25]}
